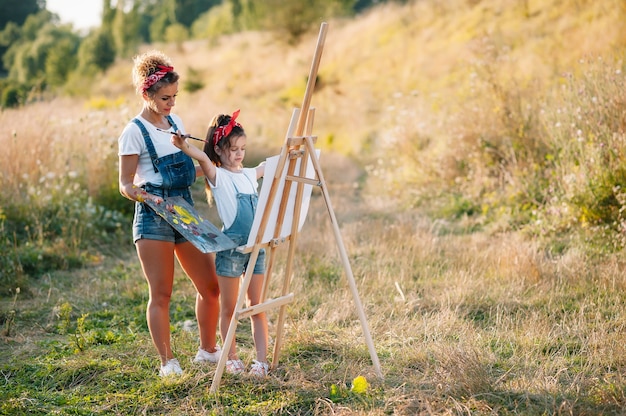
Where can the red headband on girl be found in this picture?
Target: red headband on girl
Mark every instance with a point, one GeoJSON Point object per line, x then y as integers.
{"type": "Point", "coordinates": [223, 131]}
{"type": "Point", "coordinates": [156, 77]}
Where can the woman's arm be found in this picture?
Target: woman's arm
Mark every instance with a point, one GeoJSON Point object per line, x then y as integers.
{"type": "Point", "coordinates": [192, 151]}
{"type": "Point", "coordinates": [128, 168]}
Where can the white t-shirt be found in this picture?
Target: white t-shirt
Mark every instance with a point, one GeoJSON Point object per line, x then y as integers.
{"type": "Point", "coordinates": [225, 194]}
{"type": "Point", "coordinates": [131, 142]}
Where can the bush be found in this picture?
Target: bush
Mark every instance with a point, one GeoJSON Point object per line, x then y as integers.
{"type": "Point", "coordinates": [12, 96]}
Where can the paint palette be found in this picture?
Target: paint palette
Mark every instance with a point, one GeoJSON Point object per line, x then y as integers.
{"type": "Point", "coordinates": [187, 221]}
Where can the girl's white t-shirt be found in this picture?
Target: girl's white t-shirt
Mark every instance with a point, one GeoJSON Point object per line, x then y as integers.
{"type": "Point", "coordinates": [227, 184]}
{"type": "Point", "coordinates": [131, 142]}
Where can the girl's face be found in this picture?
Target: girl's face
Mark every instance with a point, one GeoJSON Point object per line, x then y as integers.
{"type": "Point", "coordinates": [232, 156]}
{"type": "Point", "coordinates": [162, 101]}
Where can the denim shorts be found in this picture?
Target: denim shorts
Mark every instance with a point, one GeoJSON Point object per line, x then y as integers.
{"type": "Point", "coordinates": [149, 225]}
{"type": "Point", "coordinates": [232, 263]}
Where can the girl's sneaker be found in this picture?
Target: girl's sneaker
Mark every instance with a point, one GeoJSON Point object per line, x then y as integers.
{"type": "Point", "coordinates": [204, 355]}
{"type": "Point", "coordinates": [235, 366]}
{"type": "Point", "coordinates": [171, 368]}
{"type": "Point", "coordinates": [259, 369]}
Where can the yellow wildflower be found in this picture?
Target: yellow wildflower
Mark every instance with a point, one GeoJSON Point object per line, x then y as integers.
{"type": "Point", "coordinates": [359, 385]}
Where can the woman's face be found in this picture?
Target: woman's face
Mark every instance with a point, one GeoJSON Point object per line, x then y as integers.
{"type": "Point", "coordinates": [163, 100]}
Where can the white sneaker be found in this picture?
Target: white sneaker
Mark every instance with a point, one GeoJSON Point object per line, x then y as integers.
{"type": "Point", "coordinates": [235, 366]}
{"type": "Point", "coordinates": [171, 368]}
{"type": "Point", "coordinates": [259, 369]}
{"type": "Point", "coordinates": [204, 355]}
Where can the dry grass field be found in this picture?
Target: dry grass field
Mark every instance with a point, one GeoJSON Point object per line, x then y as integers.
{"type": "Point", "coordinates": [470, 314]}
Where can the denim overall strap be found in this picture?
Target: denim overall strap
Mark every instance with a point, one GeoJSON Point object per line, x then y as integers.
{"type": "Point", "coordinates": [176, 169]}
{"type": "Point", "coordinates": [148, 140]}
{"type": "Point", "coordinates": [232, 263]}
{"type": "Point", "coordinates": [246, 208]}
{"type": "Point", "coordinates": [240, 228]}
{"type": "Point", "coordinates": [171, 121]}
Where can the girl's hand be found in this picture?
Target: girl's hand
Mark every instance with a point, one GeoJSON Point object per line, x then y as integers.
{"type": "Point", "coordinates": [179, 141]}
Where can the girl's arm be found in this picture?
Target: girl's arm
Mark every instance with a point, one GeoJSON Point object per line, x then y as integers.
{"type": "Point", "coordinates": [192, 151]}
{"type": "Point", "coordinates": [260, 170]}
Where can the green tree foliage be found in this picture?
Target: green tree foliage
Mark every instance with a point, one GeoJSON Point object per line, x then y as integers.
{"type": "Point", "coordinates": [42, 53]}
{"type": "Point", "coordinates": [187, 11]}
{"type": "Point", "coordinates": [42, 44]}
{"type": "Point", "coordinates": [218, 21]}
{"type": "Point", "coordinates": [13, 94]}
{"type": "Point", "coordinates": [360, 5]}
{"type": "Point", "coordinates": [60, 61]}
{"type": "Point", "coordinates": [165, 16]}
{"type": "Point", "coordinates": [108, 14]}
{"type": "Point", "coordinates": [96, 52]}
{"type": "Point", "coordinates": [290, 19]}
{"type": "Point", "coordinates": [125, 27]}
{"type": "Point", "coordinates": [15, 12]}
{"type": "Point", "coordinates": [165, 13]}
{"type": "Point", "coordinates": [11, 33]}
{"type": "Point", "coordinates": [176, 33]}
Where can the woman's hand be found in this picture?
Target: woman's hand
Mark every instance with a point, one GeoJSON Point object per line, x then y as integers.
{"type": "Point", "coordinates": [142, 196]}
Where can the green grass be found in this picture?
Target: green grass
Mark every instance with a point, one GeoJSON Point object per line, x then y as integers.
{"type": "Point", "coordinates": [480, 335]}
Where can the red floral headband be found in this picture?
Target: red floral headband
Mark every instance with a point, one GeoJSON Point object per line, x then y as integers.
{"type": "Point", "coordinates": [223, 131]}
{"type": "Point", "coordinates": [157, 76]}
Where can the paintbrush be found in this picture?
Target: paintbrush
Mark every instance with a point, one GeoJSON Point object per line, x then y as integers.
{"type": "Point", "coordinates": [186, 136]}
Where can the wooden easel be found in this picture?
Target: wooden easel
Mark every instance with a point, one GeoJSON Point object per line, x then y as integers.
{"type": "Point", "coordinates": [299, 145]}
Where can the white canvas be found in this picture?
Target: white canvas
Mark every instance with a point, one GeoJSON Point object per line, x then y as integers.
{"type": "Point", "coordinates": [271, 165]}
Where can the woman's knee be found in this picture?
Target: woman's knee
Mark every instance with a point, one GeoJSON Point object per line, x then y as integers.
{"type": "Point", "coordinates": [160, 298]}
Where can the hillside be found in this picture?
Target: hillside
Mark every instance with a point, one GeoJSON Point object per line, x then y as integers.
{"type": "Point", "coordinates": [394, 65]}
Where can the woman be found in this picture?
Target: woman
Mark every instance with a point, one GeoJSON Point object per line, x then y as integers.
{"type": "Point", "coordinates": [152, 168]}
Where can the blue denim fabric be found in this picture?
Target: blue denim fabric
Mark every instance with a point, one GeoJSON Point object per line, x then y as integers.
{"type": "Point", "coordinates": [148, 224]}
{"type": "Point", "coordinates": [232, 263]}
{"type": "Point", "coordinates": [178, 172]}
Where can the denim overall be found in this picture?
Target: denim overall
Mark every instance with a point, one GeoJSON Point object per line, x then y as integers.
{"type": "Point", "coordinates": [178, 173]}
{"type": "Point", "coordinates": [232, 263]}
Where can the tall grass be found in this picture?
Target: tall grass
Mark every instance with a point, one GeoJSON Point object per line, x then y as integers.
{"type": "Point", "coordinates": [547, 161]}
{"type": "Point", "coordinates": [60, 205]}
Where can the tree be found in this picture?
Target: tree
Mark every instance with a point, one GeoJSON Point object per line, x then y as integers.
{"type": "Point", "coordinates": [13, 13]}
{"type": "Point", "coordinates": [60, 61]}
{"type": "Point", "coordinates": [215, 22]}
{"type": "Point", "coordinates": [40, 45]}
{"type": "Point", "coordinates": [177, 33]}
{"type": "Point", "coordinates": [187, 11]}
{"type": "Point", "coordinates": [96, 52]}
{"type": "Point", "coordinates": [17, 11]}
{"type": "Point", "coordinates": [165, 17]}
{"type": "Point", "coordinates": [125, 29]}
{"type": "Point", "coordinates": [291, 18]}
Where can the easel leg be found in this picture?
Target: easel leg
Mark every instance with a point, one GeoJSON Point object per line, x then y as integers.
{"type": "Point", "coordinates": [278, 342]}
{"type": "Point", "coordinates": [346, 262]}
{"type": "Point", "coordinates": [232, 328]}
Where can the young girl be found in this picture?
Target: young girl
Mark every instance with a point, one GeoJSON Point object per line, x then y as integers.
{"type": "Point", "coordinates": [150, 168]}
{"type": "Point", "coordinates": [234, 189]}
